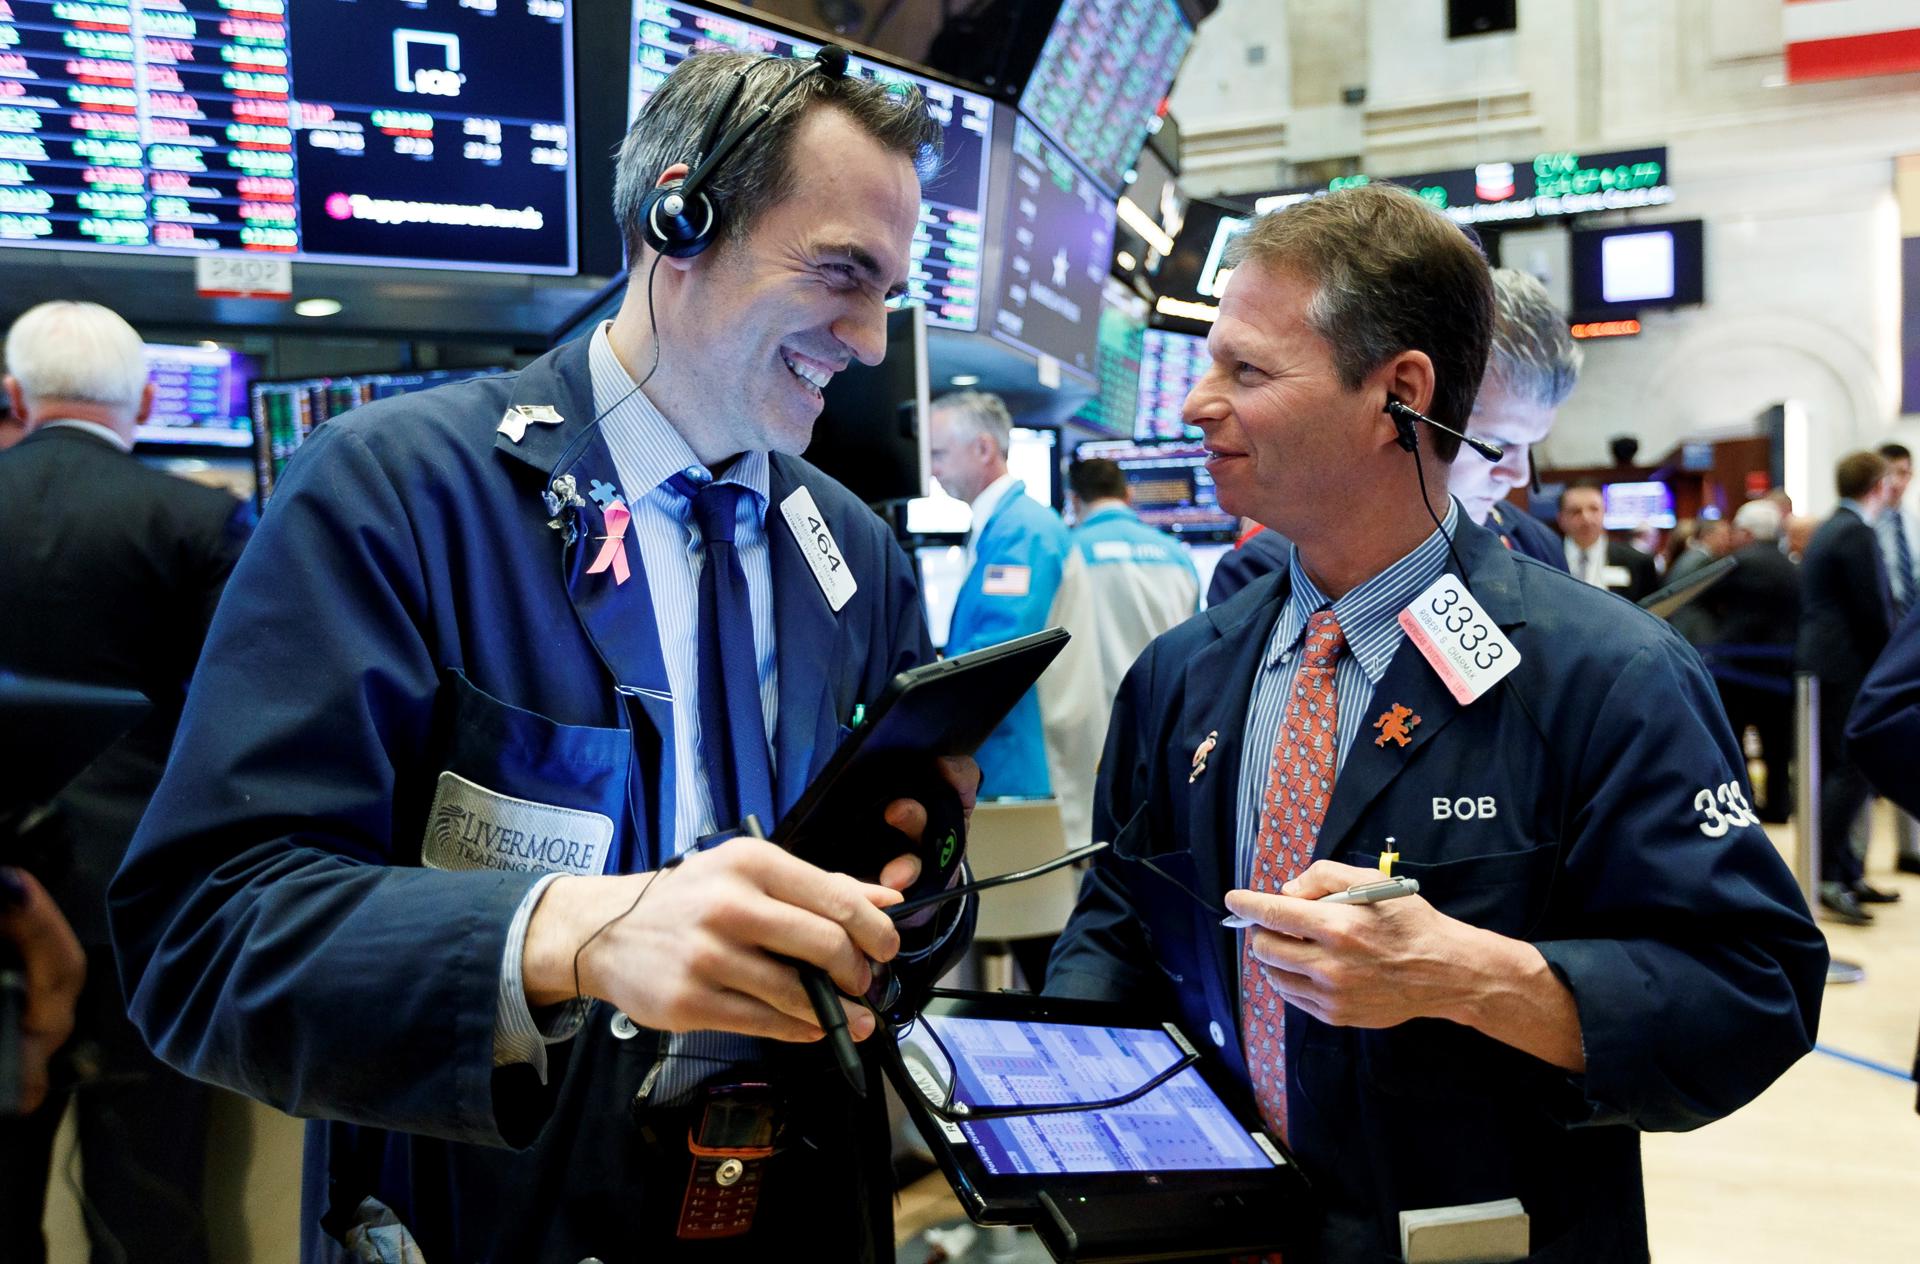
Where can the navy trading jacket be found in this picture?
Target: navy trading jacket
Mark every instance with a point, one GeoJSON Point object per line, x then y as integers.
{"type": "Point", "coordinates": [1524, 533]}
{"type": "Point", "coordinates": [407, 614]}
{"type": "Point", "coordinates": [1591, 803]}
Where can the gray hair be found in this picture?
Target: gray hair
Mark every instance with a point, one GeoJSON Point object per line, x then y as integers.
{"type": "Point", "coordinates": [758, 173]}
{"type": "Point", "coordinates": [978, 412]}
{"type": "Point", "coordinates": [1534, 355]}
{"type": "Point", "coordinates": [77, 351]}
{"type": "Point", "coordinates": [1760, 518]}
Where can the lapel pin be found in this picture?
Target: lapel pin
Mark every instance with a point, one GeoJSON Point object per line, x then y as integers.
{"type": "Point", "coordinates": [602, 493]}
{"type": "Point", "coordinates": [514, 422]}
{"type": "Point", "coordinates": [1200, 756]}
{"type": "Point", "coordinates": [1396, 725]}
{"type": "Point", "coordinates": [613, 548]}
{"type": "Point", "coordinates": [561, 497]}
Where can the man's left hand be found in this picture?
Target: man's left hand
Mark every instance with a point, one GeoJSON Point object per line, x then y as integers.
{"type": "Point", "coordinates": [1362, 965]}
{"type": "Point", "coordinates": [907, 816]}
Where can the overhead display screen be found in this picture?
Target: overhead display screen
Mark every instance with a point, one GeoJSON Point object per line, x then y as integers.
{"type": "Point", "coordinates": [1170, 365]}
{"type": "Point", "coordinates": [430, 133]}
{"type": "Point", "coordinates": [945, 276]}
{"type": "Point", "coordinates": [199, 397]}
{"type": "Point", "coordinates": [1105, 68]}
{"type": "Point", "coordinates": [1058, 244]}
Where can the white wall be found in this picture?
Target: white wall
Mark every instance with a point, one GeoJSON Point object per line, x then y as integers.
{"type": "Point", "coordinates": [1795, 183]}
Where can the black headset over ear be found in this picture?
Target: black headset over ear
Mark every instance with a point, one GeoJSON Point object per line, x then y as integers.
{"type": "Point", "coordinates": [1404, 417]}
{"type": "Point", "coordinates": [679, 219]}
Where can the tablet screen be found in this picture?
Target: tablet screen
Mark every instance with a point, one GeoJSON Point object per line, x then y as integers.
{"type": "Point", "coordinates": [1180, 1126]}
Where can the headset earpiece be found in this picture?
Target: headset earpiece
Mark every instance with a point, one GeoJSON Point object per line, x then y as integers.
{"type": "Point", "coordinates": [678, 219]}
{"type": "Point", "coordinates": [1403, 432]}
{"type": "Point", "coordinates": [676, 223]}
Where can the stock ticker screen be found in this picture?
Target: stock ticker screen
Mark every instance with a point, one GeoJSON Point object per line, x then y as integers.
{"type": "Point", "coordinates": [945, 276]}
{"type": "Point", "coordinates": [1103, 71]}
{"type": "Point", "coordinates": [1058, 251]}
{"type": "Point", "coordinates": [432, 133]}
{"type": "Point", "coordinates": [1170, 364]}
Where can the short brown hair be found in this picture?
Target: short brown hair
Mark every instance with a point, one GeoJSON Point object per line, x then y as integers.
{"type": "Point", "coordinates": [1097, 479]}
{"type": "Point", "coordinates": [1857, 473]}
{"type": "Point", "coordinates": [758, 174]}
{"type": "Point", "coordinates": [1391, 274]}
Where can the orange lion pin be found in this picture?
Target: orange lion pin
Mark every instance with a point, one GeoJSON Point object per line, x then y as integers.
{"type": "Point", "coordinates": [1396, 726]}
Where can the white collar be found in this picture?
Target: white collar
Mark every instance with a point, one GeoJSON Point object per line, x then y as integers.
{"type": "Point", "coordinates": [93, 428]}
{"type": "Point", "coordinates": [989, 500]}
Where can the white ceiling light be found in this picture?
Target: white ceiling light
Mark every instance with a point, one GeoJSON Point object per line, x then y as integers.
{"type": "Point", "coordinates": [317, 307]}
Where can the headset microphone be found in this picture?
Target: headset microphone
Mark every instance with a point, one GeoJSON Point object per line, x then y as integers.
{"type": "Point", "coordinates": [1404, 416]}
{"type": "Point", "coordinates": [678, 218]}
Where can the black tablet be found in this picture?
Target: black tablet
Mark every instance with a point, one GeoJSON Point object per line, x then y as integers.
{"type": "Point", "coordinates": [947, 707]}
{"type": "Point", "coordinates": [1669, 601]}
{"type": "Point", "coordinates": [1185, 1168]}
{"type": "Point", "coordinates": [50, 730]}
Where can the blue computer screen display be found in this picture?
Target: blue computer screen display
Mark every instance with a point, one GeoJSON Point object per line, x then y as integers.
{"type": "Point", "coordinates": [1180, 1126]}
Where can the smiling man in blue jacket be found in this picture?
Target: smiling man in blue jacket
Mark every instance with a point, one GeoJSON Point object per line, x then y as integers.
{"type": "Point", "coordinates": [1017, 551]}
{"type": "Point", "coordinates": [1604, 940]}
{"type": "Point", "coordinates": [502, 657]}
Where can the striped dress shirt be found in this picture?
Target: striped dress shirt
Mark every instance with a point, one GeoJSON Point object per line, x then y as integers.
{"type": "Point", "coordinates": [1369, 617]}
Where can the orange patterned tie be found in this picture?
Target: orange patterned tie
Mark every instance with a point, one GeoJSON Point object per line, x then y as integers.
{"type": "Point", "coordinates": [1299, 787]}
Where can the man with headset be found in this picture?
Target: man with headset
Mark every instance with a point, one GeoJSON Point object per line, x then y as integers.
{"type": "Point", "coordinates": [1603, 940]}
{"type": "Point", "coordinates": [505, 655]}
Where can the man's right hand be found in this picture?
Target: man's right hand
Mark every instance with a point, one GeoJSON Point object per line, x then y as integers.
{"type": "Point", "coordinates": [697, 954]}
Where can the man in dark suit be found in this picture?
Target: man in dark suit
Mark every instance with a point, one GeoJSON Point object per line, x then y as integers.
{"type": "Point", "coordinates": [1592, 556]}
{"type": "Point", "coordinates": [1753, 618]}
{"type": "Point", "coordinates": [1604, 941]}
{"type": "Point", "coordinates": [109, 576]}
{"type": "Point", "coordinates": [1846, 616]}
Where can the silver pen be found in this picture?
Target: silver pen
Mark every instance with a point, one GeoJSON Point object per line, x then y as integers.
{"type": "Point", "coordinates": [1362, 893]}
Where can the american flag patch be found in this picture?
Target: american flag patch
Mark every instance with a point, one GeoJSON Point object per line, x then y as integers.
{"type": "Point", "coordinates": [1007, 581]}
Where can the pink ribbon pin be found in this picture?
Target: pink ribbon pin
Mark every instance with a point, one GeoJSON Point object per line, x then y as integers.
{"type": "Point", "coordinates": [613, 549]}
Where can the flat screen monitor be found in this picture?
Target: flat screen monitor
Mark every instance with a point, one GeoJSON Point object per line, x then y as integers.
{"type": "Point", "coordinates": [943, 571]}
{"type": "Point", "coordinates": [1103, 73]}
{"type": "Point", "coordinates": [1170, 364]}
{"type": "Point", "coordinates": [1123, 324]}
{"type": "Point", "coordinates": [1056, 254]}
{"type": "Point", "coordinates": [1630, 506]}
{"type": "Point", "coordinates": [199, 397]}
{"type": "Point", "coordinates": [872, 432]}
{"type": "Point", "coordinates": [436, 133]}
{"type": "Point", "coordinates": [945, 276]}
{"type": "Point", "coordinates": [1620, 271]}
{"type": "Point", "coordinates": [1033, 457]}
{"type": "Point", "coordinates": [286, 412]}
{"type": "Point", "coordinates": [1170, 486]}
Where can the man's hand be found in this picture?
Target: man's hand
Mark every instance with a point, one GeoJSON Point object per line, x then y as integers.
{"type": "Point", "coordinates": [907, 816]}
{"type": "Point", "coordinates": [1379, 965]}
{"type": "Point", "coordinates": [55, 967]}
{"type": "Point", "coordinates": [697, 953]}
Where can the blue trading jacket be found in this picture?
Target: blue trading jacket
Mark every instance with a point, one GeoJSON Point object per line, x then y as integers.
{"type": "Point", "coordinates": [1018, 557]}
{"type": "Point", "coordinates": [405, 612]}
{"type": "Point", "coordinates": [1589, 804]}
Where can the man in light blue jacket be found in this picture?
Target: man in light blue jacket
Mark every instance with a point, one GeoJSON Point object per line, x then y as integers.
{"type": "Point", "coordinates": [1016, 550]}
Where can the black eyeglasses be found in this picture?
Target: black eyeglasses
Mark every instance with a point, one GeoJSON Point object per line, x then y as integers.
{"type": "Point", "coordinates": [930, 1068]}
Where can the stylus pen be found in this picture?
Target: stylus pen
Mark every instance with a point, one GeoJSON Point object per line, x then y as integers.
{"type": "Point", "coordinates": [826, 1002]}
{"type": "Point", "coordinates": [1364, 893]}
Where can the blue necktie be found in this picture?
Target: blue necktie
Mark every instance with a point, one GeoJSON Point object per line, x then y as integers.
{"type": "Point", "coordinates": [733, 747]}
{"type": "Point", "coordinates": [1903, 588]}
{"type": "Point", "coordinates": [733, 728]}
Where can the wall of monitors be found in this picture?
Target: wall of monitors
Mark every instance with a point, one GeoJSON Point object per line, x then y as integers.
{"type": "Point", "coordinates": [427, 133]}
